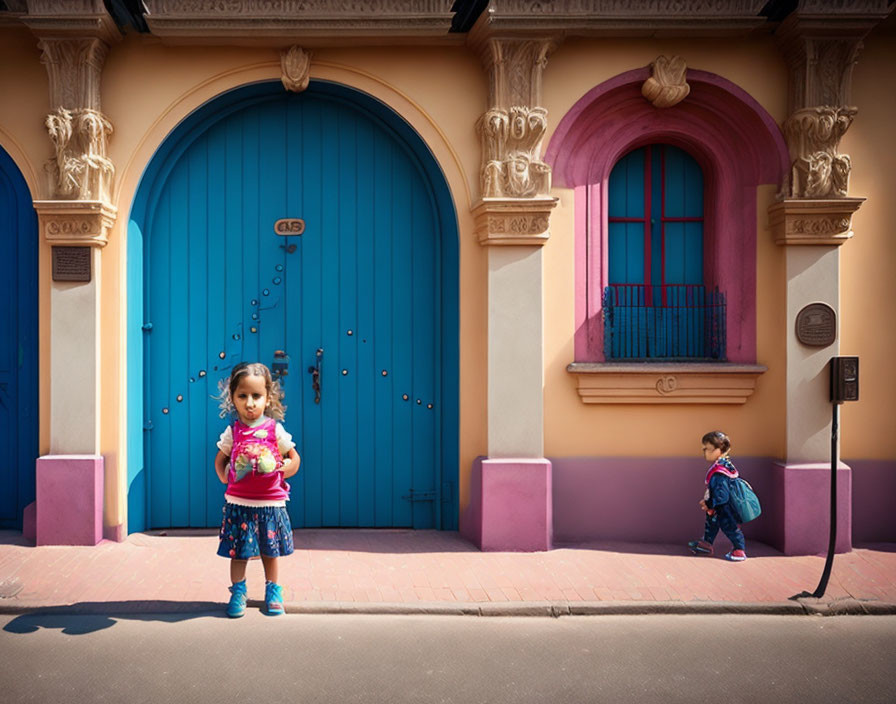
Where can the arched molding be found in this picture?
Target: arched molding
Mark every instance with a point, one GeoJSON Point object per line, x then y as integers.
{"type": "Point", "coordinates": [182, 106]}
{"type": "Point", "coordinates": [17, 153]}
{"type": "Point", "coordinates": [738, 145]}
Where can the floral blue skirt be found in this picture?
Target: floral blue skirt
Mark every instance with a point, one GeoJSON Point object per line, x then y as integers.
{"type": "Point", "coordinates": [253, 531]}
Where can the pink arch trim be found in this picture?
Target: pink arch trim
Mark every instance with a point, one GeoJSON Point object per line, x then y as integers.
{"type": "Point", "coordinates": [733, 138]}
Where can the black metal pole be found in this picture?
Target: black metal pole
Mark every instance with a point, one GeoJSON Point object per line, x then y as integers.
{"type": "Point", "coordinates": [829, 561]}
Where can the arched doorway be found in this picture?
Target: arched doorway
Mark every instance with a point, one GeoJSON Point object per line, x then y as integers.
{"type": "Point", "coordinates": [371, 281]}
{"type": "Point", "coordinates": [18, 344]}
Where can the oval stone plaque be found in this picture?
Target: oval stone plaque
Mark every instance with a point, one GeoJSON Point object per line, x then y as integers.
{"type": "Point", "coordinates": [816, 325]}
{"type": "Point", "coordinates": [289, 226]}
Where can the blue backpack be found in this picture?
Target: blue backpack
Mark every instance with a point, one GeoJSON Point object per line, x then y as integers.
{"type": "Point", "coordinates": [744, 500]}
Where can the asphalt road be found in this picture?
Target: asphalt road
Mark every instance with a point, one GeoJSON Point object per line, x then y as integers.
{"type": "Point", "coordinates": [187, 658]}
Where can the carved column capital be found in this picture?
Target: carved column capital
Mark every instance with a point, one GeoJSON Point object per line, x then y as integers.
{"type": "Point", "coordinates": [512, 128]}
{"type": "Point", "coordinates": [821, 42]}
{"type": "Point", "coordinates": [74, 40]}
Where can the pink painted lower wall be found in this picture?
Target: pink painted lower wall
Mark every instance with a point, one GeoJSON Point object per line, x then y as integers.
{"type": "Point", "coordinates": [648, 500]}
{"type": "Point", "coordinates": [873, 495]}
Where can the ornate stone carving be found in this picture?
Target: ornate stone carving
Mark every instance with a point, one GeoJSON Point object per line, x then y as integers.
{"type": "Point", "coordinates": [668, 85]}
{"type": "Point", "coordinates": [511, 143]}
{"type": "Point", "coordinates": [295, 65]}
{"type": "Point", "coordinates": [666, 384]}
{"type": "Point", "coordinates": [79, 169]}
{"type": "Point", "coordinates": [813, 135]}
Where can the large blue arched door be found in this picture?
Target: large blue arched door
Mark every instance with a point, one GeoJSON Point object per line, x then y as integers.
{"type": "Point", "coordinates": [365, 283]}
{"type": "Point", "coordinates": [18, 344]}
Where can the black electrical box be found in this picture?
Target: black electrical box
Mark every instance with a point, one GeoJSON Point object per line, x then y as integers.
{"type": "Point", "coordinates": [844, 379]}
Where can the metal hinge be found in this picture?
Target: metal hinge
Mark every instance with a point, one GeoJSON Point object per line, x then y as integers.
{"type": "Point", "coordinates": [148, 425]}
{"type": "Point", "coordinates": [428, 495]}
{"type": "Point", "coordinates": [147, 327]}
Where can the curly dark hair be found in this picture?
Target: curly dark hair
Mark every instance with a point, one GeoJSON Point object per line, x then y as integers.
{"type": "Point", "coordinates": [717, 439]}
{"type": "Point", "coordinates": [226, 387]}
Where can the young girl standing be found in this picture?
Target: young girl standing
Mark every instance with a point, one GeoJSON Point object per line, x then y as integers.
{"type": "Point", "coordinates": [255, 457]}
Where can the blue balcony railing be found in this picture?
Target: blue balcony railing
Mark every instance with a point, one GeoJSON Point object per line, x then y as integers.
{"type": "Point", "coordinates": [672, 322]}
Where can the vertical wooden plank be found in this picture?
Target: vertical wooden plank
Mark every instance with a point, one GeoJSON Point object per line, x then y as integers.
{"type": "Point", "coordinates": [340, 121]}
{"type": "Point", "coordinates": [219, 334]}
{"type": "Point", "coordinates": [390, 409]}
{"type": "Point", "coordinates": [9, 396]}
{"type": "Point", "coordinates": [304, 133]}
{"type": "Point", "coordinates": [404, 277]}
{"type": "Point", "coordinates": [423, 342]}
{"type": "Point", "coordinates": [198, 462]}
{"type": "Point", "coordinates": [368, 335]}
{"type": "Point", "coordinates": [179, 496]}
{"type": "Point", "coordinates": [159, 344]}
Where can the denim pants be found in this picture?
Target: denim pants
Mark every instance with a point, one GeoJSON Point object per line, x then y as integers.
{"type": "Point", "coordinates": [725, 519]}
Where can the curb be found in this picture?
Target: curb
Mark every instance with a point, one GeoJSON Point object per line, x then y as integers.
{"type": "Point", "coordinates": [540, 609]}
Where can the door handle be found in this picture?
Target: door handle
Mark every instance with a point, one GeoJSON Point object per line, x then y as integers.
{"type": "Point", "coordinates": [314, 371]}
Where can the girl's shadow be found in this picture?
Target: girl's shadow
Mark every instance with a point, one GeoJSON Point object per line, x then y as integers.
{"type": "Point", "coordinates": [90, 617]}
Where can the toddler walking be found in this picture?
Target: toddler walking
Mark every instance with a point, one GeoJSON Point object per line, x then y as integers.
{"type": "Point", "coordinates": [720, 514]}
{"type": "Point", "coordinates": [255, 457]}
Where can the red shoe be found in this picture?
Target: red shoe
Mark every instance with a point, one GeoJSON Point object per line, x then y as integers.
{"type": "Point", "coordinates": [736, 556]}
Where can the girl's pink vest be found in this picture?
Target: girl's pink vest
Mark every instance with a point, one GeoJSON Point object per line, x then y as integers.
{"type": "Point", "coordinates": [253, 448]}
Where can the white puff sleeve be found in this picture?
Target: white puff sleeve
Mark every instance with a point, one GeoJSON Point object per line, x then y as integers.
{"type": "Point", "coordinates": [225, 442]}
{"type": "Point", "coordinates": [284, 440]}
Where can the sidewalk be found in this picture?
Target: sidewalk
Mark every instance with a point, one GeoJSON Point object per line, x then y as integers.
{"type": "Point", "coordinates": [397, 571]}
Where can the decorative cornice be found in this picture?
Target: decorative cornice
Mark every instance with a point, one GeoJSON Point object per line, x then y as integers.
{"type": "Point", "coordinates": [627, 18]}
{"type": "Point", "coordinates": [282, 22]}
{"type": "Point", "coordinates": [802, 221]}
{"type": "Point", "coordinates": [75, 222]}
{"type": "Point", "coordinates": [513, 221]}
{"type": "Point", "coordinates": [665, 383]}
{"type": "Point", "coordinates": [71, 18]}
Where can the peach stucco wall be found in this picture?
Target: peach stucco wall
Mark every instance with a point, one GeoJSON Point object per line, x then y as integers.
{"type": "Point", "coordinates": [868, 294]}
{"type": "Point", "coordinates": [148, 88]}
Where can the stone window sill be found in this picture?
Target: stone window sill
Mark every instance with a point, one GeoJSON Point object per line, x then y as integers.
{"type": "Point", "coordinates": [665, 383]}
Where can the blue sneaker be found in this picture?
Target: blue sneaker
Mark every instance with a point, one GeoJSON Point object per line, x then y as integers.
{"type": "Point", "coordinates": [237, 605]}
{"type": "Point", "coordinates": [273, 598]}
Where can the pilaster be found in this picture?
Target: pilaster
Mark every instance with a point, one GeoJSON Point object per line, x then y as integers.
{"type": "Point", "coordinates": [821, 43]}
{"type": "Point", "coordinates": [75, 219]}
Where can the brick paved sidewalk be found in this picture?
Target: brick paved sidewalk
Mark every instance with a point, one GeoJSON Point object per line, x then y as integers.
{"type": "Point", "coordinates": [370, 570]}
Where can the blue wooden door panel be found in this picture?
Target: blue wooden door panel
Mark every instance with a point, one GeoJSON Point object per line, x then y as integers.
{"type": "Point", "coordinates": [361, 283]}
{"type": "Point", "coordinates": [9, 393]}
{"type": "Point", "coordinates": [18, 345]}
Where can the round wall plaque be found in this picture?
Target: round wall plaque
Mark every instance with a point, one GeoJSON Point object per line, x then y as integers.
{"type": "Point", "coordinates": [816, 325]}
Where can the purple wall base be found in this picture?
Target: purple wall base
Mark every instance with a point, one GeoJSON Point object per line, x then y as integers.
{"type": "Point", "coordinates": [510, 506]}
{"type": "Point", "coordinates": [29, 522]}
{"type": "Point", "coordinates": [115, 533]}
{"type": "Point", "coordinates": [69, 500]}
{"type": "Point", "coordinates": [873, 489]}
{"type": "Point", "coordinates": [805, 523]}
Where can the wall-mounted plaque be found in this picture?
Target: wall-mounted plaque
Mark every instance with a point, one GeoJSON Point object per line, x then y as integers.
{"type": "Point", "coordinates": [289, 226]}
{"type": "Point", "coordinates": [71, 263]}
{"type": "Point", "coordinates": [816, 325]}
